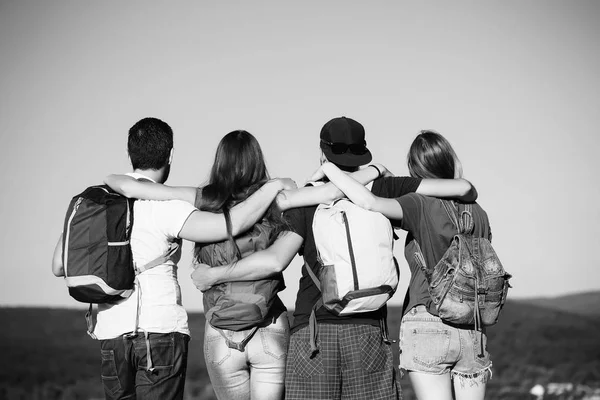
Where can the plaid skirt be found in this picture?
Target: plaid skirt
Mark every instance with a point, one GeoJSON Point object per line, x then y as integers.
{"type": "Point", "coordinates": [353, 362]}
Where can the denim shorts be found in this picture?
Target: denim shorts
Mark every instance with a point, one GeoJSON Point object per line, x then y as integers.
{"type": "Point", "coordinates": [431, 346]}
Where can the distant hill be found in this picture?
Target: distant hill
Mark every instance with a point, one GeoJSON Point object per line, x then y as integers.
{"type": "Point", "coordinates": [47, 355]}
{"type": "Point", "coordinates": [586, 303]}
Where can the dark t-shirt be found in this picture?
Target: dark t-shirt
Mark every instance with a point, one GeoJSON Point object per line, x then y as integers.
{"type": "Point", "coordinates": [428, 223]}
{"type": "Point", "coordinates": [301, 220]}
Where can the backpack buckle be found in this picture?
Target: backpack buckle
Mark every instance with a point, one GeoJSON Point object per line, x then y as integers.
{"type": "Point", "coordinates": [236, 346]}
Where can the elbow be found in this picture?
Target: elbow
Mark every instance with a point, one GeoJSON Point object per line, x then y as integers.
{"type": "Point", "coordinates": [332, 194]}
{"type": "Point", "coordinates": [58, 270]}
{"type": "Point", "coordinates": [468, 193]}
{"type": "Point", "coordinates": [275, 265]}
{"type": "Point", "coordinates": [368, 203]}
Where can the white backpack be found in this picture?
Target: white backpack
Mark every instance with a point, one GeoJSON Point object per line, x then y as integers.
{"type": "Point", "coordinates": [358, 272]}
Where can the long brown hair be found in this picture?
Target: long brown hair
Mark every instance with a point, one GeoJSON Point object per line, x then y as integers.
{"type": "Point", "coordinates": [432, 156]}
{"type": "Point", "coordinates": [238, 171]}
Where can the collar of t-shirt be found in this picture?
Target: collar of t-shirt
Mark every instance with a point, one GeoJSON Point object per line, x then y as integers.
{"type": "Point", "coordinates": [139, 176]}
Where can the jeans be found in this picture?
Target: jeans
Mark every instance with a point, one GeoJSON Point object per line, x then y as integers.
{"type": "Point", "coordinates": [125, 362]}
{"type": "Point", "coordinates": [256, 373]}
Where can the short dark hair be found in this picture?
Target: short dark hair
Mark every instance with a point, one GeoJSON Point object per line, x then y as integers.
{"type": "Point", "coordinates": [150, 143]}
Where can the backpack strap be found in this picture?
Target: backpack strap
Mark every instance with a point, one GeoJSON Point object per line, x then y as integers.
{"type": "Point", "coordinates": [89, 319]}
{"type": "Point", "coordinates": [312, 320]}
{"type": "Point", "coordinates": [240, 346]}
{"type": "Point", "coordinates": [463, 221]}
{"type": "Point", "coordinates": [173, 246]}
{"type": "Point", "coordinates": [89, 315]}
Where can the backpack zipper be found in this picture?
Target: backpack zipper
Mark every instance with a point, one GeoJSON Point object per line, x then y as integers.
{"type": "Point", "coordinates": [350, 250]}
{"type": "Point", "coordinates": [66, 239]}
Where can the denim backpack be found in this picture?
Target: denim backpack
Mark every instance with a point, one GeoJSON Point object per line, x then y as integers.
{"type": "Point", "coordinates": [238, 305]}
{"type": "Point", "coordinates": [96, 256]}
{"type": "Point", "coordinates": [469, 284]}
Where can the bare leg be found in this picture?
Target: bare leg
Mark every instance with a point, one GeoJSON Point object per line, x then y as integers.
{"type": "Point", "coordinates": [470, 387]}
{"type": "Point", "coordinates": [430, 386]}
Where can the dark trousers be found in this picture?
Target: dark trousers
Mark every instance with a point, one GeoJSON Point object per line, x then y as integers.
{"type": "Point", "coordinates": [125, 363]}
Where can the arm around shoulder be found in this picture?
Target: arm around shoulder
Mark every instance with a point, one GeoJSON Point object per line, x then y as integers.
{"type": "Point", "coordinates": [259, 265]}
{"type": "Point", "coordinates": [460, 189]}
{"type": "Point", "coordinates": [133, 188]}
{"type": "Point", "coordinates": [204, 226]}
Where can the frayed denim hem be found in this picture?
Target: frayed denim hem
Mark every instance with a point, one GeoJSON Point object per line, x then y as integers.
{"type": "Point", "coordinates": [474, 379]}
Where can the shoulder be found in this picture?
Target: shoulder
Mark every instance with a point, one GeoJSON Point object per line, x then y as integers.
{"type": "Point", "coordinates": [480, 213]}
{"type": "Point", "coordinates": [415, 199]}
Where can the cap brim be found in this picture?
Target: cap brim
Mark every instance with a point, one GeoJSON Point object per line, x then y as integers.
{"type": "Point", "coordinates": [347, 159]}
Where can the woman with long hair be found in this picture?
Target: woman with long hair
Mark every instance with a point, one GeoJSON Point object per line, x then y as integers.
{"type": "Point", "coordinates": [257, 369]}
{"type": "Point", "coordinates": [443, 361]}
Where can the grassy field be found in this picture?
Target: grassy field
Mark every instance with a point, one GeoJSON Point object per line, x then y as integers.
{"type": "Point", "coordinates": [48, 356]}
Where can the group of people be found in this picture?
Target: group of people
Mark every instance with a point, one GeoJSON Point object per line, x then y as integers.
{"type": "Point", "coordinates": [354, 358]}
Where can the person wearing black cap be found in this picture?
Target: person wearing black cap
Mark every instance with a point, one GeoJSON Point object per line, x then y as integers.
{"type": "Point", "coordinates": [343, 143]}
{"type": "Point", "coordinates": [353, 360]}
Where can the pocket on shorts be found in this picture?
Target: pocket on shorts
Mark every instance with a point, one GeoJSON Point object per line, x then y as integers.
{"type": "Point", "coordinates": [430, 345]}
{"type": "Point", "coordinates": [110, 379]}
{"type": "Point", "coordinates": [303, 365]}
{"type": "Point", "coordinates": [373, 352]}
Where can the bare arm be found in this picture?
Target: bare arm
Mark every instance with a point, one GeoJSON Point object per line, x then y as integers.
{"type": "Point", "coordinates": [204, 226]}
{"type": "Point", "coordinates": [460, 189]}
{"type": "Point", "coordinates": [311, 195]}
{"type": "Point", "coordinates": [57, 264]}
{"type": "Point", "coordinates": [360, 195]}
{"type": "Point", "coordinates": [259, 265]}
{"type": "Point", "coordinates": [131, 187]}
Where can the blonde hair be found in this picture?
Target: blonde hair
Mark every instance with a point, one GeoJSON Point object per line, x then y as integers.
{"type": "Point", "coordinates": [432, 156]}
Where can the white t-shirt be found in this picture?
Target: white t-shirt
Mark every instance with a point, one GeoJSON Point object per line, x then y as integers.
{"type": "Point", "coordinates": [156, 225]}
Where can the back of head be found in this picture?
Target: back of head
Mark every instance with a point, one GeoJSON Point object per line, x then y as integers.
{"type": "Point", "coordinates": [343, 143]}
{"type": "Point", "coordinates": [149, 144]}
{"type": "Point", "coordinates": [432, 156]}
{"type": "Point", "coordinates": [239, 169]}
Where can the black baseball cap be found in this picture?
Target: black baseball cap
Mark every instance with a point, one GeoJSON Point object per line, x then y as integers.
{"type": "Point", "coordinates": [343, 142]}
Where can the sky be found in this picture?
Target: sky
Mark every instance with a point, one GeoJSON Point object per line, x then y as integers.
{"type": "Point", "coordinates": [513, 85]}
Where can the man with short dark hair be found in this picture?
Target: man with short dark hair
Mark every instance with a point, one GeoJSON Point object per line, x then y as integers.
{"type": "Point", "coordinates": [144, 338]}
{"type": "Point", "coordinates": [354, 361]}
